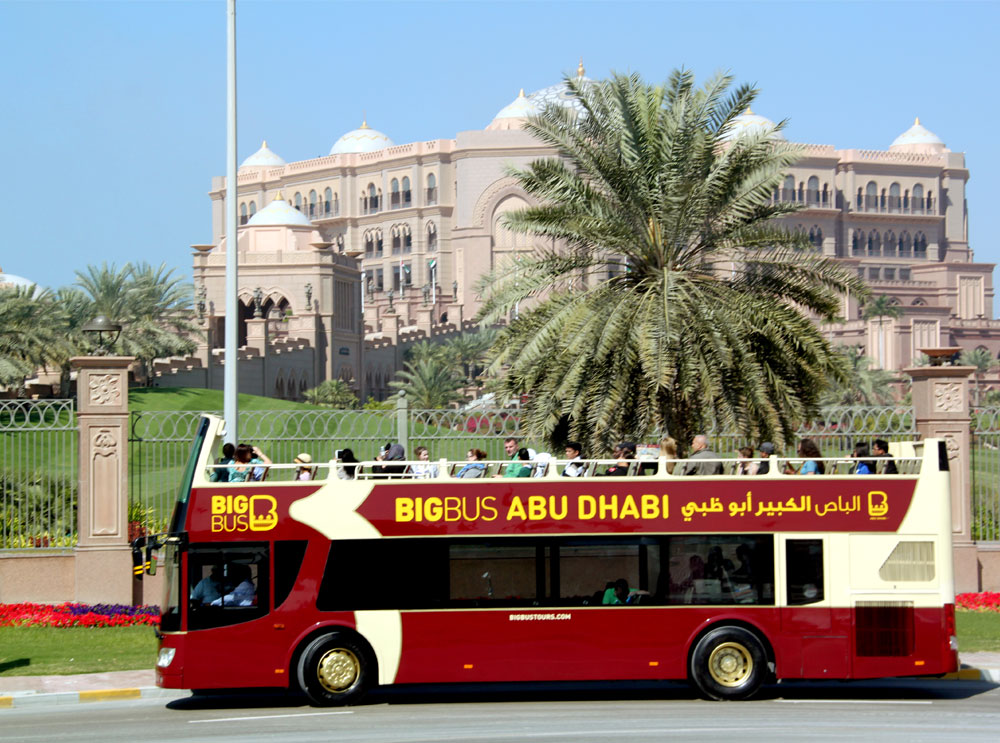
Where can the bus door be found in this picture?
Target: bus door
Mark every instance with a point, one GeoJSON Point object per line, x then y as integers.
{"type": "Point", "coordinates": [816, 635]}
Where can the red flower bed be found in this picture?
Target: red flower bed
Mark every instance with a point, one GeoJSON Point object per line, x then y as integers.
{"type": "Point", "coordinates": [77, 615]}
{"type": "Point", "coordinates": [985, 601]}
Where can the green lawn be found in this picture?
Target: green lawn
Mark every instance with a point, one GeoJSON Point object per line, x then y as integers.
{"type": "Point", "coordinates": [40, 651]}
{"type": "Point", "coordinates": [44, 651]}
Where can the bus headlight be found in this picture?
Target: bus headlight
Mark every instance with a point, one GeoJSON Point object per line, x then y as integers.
{"type": "Point", "coordinates": [166, 657]}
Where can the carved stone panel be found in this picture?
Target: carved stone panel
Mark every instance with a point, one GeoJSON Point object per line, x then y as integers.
{"type": "Point", "coordinates": [105, 390]}
{"type": "Point", "coordinates": [105, 482]}
{"type": "Point", "coordinates": [948, 397]}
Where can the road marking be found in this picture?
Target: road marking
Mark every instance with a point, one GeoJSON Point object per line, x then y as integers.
{"type": "Point", "coordinates": [273, 717]}
{"type": "Point", "coordinates": [853, 701]}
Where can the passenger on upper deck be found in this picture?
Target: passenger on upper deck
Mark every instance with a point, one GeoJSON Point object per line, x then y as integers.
{"type": "Point", "coordinates": [394, 453]}
{"type": "Point", "coordinates": [812, 465]}
{"type": "Point", "coordinates": [514, 453]}
{"type": "Point", "coordinates": [304, 471]}
{"type": "Point", "coordinates": [247, 459]}
{"type": "Point", "coordinates": [766, 452]}
{"type": "Point", "coordinates": [423, 470]}
{"type": "Point", "coordinates": [474, 468]}
{"type": "Point", "coordinates": [623, 453]}
{"type": "Point", "coordinates": [700, 450]}
{"type": "Point", "coordinates": [865, 466]}
{"type": "Point", "coordinates": [668, 450]}
{"type": "Point", "coordinates": [575, 467]}
{"type": "Point", "coordinates": [221, 474]}
{"type": "Point", "coordinates": [348, 467]}
{"type": "Point", "coordinates": [746, 465]}
{"type": "Point", "coordinates": [880, 449]}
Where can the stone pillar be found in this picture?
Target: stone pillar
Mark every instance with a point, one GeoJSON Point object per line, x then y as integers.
{"type": "Point", "coordinates": [257, 334]}
{"type": "Point", "coordinates": [390, 326]}
{"type": "Point", "coordinates": [941, 407]}
{"type": "Point", "coordinates": [103, 558]}
{"type": "Point", "coordinates": [455, 317]}
{"type": "Point", "coordinates": [425, 319]}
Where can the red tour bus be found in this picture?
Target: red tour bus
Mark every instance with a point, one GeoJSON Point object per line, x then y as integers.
{"type": "Point", "coordinates": [335, 586]}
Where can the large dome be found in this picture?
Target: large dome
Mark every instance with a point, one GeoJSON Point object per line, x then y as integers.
{"type": "Point", "coordinates": [279, 212]}
{"type": "Point", "coordinates": [512, 115]}
{"type": "Point", "coordinates": [8, 280]}
{"type": "Point", "coordinates": [263, 158]}
{"type": "Point", "coordinates": [362, 139]}
{"type": "Point", "coordinates": [750, 123]}
{"type": "Point", "coordinates": [917, 139]}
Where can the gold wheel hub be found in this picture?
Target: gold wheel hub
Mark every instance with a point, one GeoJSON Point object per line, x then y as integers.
{"type": "Point", "coordinates": [338, 670]}
{"type": "Point", "coordinates": [730, 664]}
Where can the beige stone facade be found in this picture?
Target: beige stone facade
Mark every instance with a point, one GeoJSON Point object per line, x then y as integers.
{"type": "Point", "coordinates": [380, 213]}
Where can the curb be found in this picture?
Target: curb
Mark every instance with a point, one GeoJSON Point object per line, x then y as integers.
{"type": "Point", "coordinates": [991, 675]}
{"type": "Point", "coordinates": [31, 698]}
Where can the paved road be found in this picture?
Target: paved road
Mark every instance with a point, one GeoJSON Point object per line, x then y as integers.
{"type": "Point", "coordinates": [889, 711]}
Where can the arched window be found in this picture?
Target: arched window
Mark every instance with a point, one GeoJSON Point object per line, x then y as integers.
{"type": "Point", "coordinates": [826, 194]}
{"type": "Point", "coordinates": [369, 245]}
{"type": "Point", "coordinates": [298, 201]}
{"type": "Point", "coordinates": [312, 203]}
{"type": "Point", "coordinates": [919, 245]}
{"type": "Point", "coordinates": [802, 191]}
{"type": "Point", "coordinates": [919, 302]}
{"type": "Point", "coordinates": [407, 239]}
{"type": "Point", "coordinates": [394, 194]}
{"type": "Point", "coordinates": [788, 190]}
{"type": "Point", "coordinates": [857, 242]}
{"type": "Point", "coordinates": [905, 244]}
{"type": "Point", "coordinates": [327, 200]}
{"type": "Point", "coordinates": [336, 204]}
{"type": "Point", "coordinates": [906, 200]}
{"type": "Point", "coordinates": [816, 237]}
{"type": "Point", "coordinates": [918, 198]}
{"type": "Point", "coordinates": [432, 237]}
{"type": "Point", "coordinates": [812, 190]}
{"type": "Point", "coordinates": [340, 243]}
{"type": "Point", "coordinates": [397, 242]}
{"type": "Point", "coordinates": [874, 243]}
{"type": "Point", "coordinates": [407, 197]}
{"type": "Point", "coordinates": [929, 202]}
{"type": "Point", "coordinates": [253, 208]}
{"type": "Point", "coordinates": [243, 213]}
{"type": "Point", "coordinates": [432, 189]}
{"type": "Point", "coordinates": [889, 244]}
{"type": "Point", "coordinates": [895, 202]}
{"type": "Point", "coordinates": [279, 387]}
{"type": "Point", "coordinates": [379, 244]}
{"type": "Point", "coordinates": [860, 200]}
{"type": "Point", "coordinates": [882, 201]}
{"type": "Point", "coordinates": [369, 203]}
{"type": "Point", "coordinates": [871, 195]}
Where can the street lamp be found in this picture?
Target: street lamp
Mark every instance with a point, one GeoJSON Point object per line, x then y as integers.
{"type": "Point", "coordinates": [104, 332]}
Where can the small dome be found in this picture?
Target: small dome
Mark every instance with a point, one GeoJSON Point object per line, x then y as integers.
{"type": "Point", "coordinates": [917, 139]}
{"type": "Point", "coordinates": [513, 114]}
{"type": "Point", "coordinates": [559, 93]}
{"type": "Point", "coordinates": [9, 280]}
{"type": "Point", "coordinates": [281, 212]}
{"type": "Point", "coordinates": [750, 123]}
{"type": "Point", "coordinates": [362, 139]}
{"type": "Point", "coordinates": [263, 158]}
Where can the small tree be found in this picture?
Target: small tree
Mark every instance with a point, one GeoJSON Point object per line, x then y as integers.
{"type": "Point", "coordinates": [979, 358]}
{"type": "Point", "coordinates": [431, 383]}
{"type": "Point", "coordinates": [333, 393]}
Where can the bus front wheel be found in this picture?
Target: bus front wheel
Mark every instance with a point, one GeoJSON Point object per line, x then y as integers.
{"type": "Point", "coordinates": [335, 669]}
{"type": "Point", "coordinates": [729, 663]}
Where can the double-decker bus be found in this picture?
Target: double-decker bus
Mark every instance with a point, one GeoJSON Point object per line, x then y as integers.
{"type": "Point", "coordinates": [335, 586]}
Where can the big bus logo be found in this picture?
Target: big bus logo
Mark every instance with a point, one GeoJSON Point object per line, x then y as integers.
{"type": "Point", "coordinates": [243, 513]}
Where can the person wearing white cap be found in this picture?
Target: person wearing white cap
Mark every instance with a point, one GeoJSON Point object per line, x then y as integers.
{"type": "Point", "coordinates": [304, 471]}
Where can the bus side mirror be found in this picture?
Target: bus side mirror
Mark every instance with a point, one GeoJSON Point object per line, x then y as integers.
{"type": "Point", "coordinates": [137, 567]}
{"type": "Point", "coordinates": [150, 558]}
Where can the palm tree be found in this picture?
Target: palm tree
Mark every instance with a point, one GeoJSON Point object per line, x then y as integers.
{"type": "Point", "coordinates": [676, 302]}
{"type": "Point", "coordinates": [332, 393]}
{"type": "Point", "coordinates": [864, 384]}
{"type": "Point", "coordinates": [154, 308]}
{"type": "Point", "coordinates": [979, 358]}
{"type": "Point", "coordinates": [470, 351]}
{"type": "Point", "coordinates": [879, 308]}
{"type": "Point", "coordinates": [430, 383]}
{"type": "Point", "coordinates": [30, 322]}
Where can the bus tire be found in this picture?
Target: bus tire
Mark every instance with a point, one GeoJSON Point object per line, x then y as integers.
{"type": "Point", "coordinates": [729, 663]}
{"type": "Point", "coordinates": [335, 669]}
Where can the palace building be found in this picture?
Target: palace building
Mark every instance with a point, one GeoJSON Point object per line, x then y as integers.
{"type": "Point", "coordinates": [345, 259]}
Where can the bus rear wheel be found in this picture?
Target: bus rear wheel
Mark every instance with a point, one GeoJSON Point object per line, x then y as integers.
{"type": "Point", "coordinates": [335, 670]}
{"type": "Point", "coordinates": [729, 663]}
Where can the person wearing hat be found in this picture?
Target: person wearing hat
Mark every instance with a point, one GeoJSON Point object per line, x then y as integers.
{"type": "Point", "coordinates": [304, 471]}
{"type": "Point", "coordinates": [766, 451]}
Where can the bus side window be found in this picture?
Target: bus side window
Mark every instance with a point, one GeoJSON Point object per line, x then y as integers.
{"type": "Point", "coordinates": [804, 571]}
{"type": "Point", "coordinates": [288, 557]}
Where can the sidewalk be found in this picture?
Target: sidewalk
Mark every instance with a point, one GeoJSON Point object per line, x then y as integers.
{"type": "Point", "coordinates": [18, 691]}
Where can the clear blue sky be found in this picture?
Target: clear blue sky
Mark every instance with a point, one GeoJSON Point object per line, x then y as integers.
{"type": "Point", "coordinates": [112, 114]}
